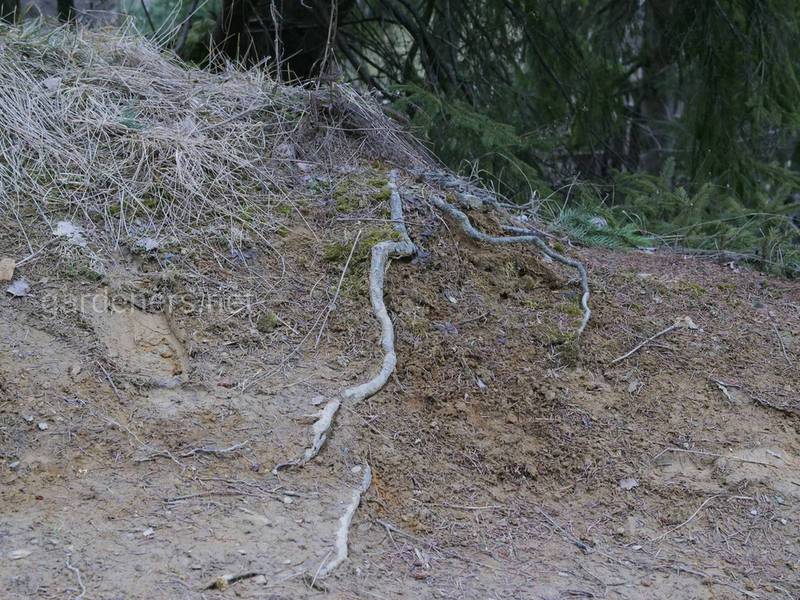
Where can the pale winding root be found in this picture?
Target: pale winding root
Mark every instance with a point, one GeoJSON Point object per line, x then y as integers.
{"type": "Point", "coordinates": [480, 236]}
{"type": "Point", "coordinates": [342, 533]}
{"type": "Point", "coordinates": [382, 252]}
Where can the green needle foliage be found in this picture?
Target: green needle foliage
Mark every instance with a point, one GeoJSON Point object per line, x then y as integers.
{"type": "Point", "coordinates": [679, 111]}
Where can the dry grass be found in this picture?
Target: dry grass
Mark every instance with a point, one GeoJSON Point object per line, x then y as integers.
{"type": "Point", "coordinates": [107, 128]}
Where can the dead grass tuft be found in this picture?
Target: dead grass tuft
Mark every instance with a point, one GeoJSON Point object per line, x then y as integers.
{"type": "Point", "coordinates": [110, 129]}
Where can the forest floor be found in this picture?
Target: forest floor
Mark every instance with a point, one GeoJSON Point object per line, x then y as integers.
{"type": "Point", "coordinates": [503, 467]}
{"type": "Point", "coordinates": [192, 251]}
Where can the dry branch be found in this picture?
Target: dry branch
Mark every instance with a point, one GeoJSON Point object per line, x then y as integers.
{"type": "Point", "coordinates": [682, 323]}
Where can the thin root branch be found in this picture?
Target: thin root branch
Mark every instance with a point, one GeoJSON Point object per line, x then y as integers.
{"type": "Point", "coordinates": [480, 236]}
{"type": "Point", "coordinates": [77, 572]}
{"type": "Point", "coordinates": [340, 547]}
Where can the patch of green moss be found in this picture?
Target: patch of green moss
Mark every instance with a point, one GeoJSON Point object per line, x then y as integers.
{"type": "Point", "coordinates": [337, 252]}
{"type": "Point", "coordinates": [81, 272]}
{"type": "Point", "coordinates": [377, 182]}
{"type": "Point", "coordinates": [268, 322]}
{"type": "Point", "coordinates": [693, 289]}
{"type": "Point", "coordinates": [383, 194]}
{"type": "Point", "coordinates": [355, 282]}
{"type": "Point", "coordinates": [346, 201]}
{"type": "Point", "coordinates": [572, 309]}
{"type": "Point", "coordinates": [417, 326]}
{"type": "Point", "coordinates": [569, 352]}
{"type": "Point", "coordinates": [346, 196]}
{"type": "Point", "coordinates": [285, 210]}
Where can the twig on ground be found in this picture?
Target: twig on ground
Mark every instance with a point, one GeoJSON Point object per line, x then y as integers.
{"type": "Point", "coordinates": [713, 579]}
{"type": "Point", "coordinates": [723, 387]}
{"type": "Point", "coordinates": [213, 450]}
{"type": "Point", "coordinates": [783, 346]}
{"type": "Point", "coordinates": [683, 322]}
{"type": "Point", "coordinates": [332, 303]}
{"type": "Point", "coordinates": [221, 493]}
{"type": "Point", "coordinates": [111, 382]}
{"type": "Point", "coordinates": [687, 521]}
{"type": "Point", "coordinates": [78, 577]}
{"type": "Point", "coordinates": [33, 255]}
{"type": "Point", "coordinates": [224, 581]}
{"type": "Point", "coordinates": [715, 455]}
{"type": "Point", "coordinates": [787, 410]}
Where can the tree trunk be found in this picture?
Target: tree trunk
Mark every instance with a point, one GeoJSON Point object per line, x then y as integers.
{"type": "Point", "coordinates": [650, 136]}
{"type": "Point", "coordinates": [246, 31]}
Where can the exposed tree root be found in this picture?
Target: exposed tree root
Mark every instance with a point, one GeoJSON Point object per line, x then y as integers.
{"type": "Point", "coordinates": [340, 547]}
{"type": "Point", "coordinates": [382, 252]}
{"type": "Point", "coordinates": [480, 236]}
{"type": "Point", "coordinates": [320, 430]}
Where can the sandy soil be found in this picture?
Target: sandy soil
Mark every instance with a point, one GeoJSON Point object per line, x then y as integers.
{"type": "Point", "coordinates": [137, 441]}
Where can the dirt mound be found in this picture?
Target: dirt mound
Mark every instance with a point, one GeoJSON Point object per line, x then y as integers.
{"type": "Point", "coordinates": [180, 328]}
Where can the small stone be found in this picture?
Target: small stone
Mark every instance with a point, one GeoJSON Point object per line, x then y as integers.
{"type": "Point", "coordinates": [17, 554]}
{"type": "Point", "coordinates": [18, 288]}
{"type": "Point", "coordinates": [7, 266]}
{"type": "Point", "coordinates": [14, 465]}
{"type": "Point", "coordinates": [28, 418]}
{"type": "Point", "coordinates": [260, 580]}
{"type": "Point", "coordinates": [628, 483]}
{"type": "Point", "coordinates": [42, 426]}
{"type": "Point", "coordinates": [287, 500]}
{"type": "Point", "coordinates": [148, 533]}
{"type": "Point", "coordinates": [285, 151]}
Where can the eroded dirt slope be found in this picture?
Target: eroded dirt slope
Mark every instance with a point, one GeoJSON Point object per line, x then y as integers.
{"type": "Point", "coordinates": [138, 443]}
